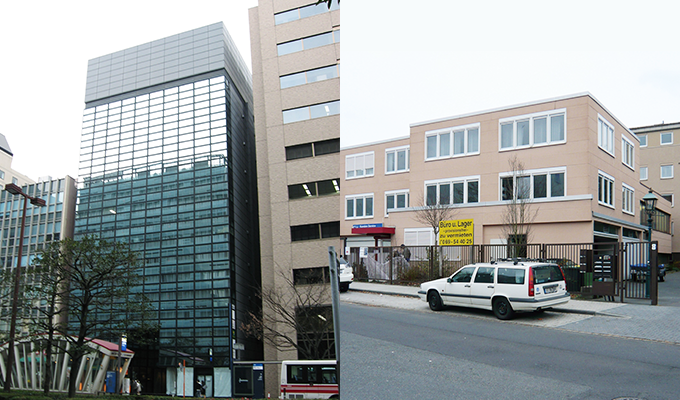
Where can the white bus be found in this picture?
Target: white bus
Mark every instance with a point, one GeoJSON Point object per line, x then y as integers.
{"type": "Point", "coordinates": [309, 379]}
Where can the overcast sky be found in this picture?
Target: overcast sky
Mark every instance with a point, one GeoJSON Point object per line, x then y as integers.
{"type": "Point", "coordinates": [408, 62]}
{"type": "Point", "coordinates": [44, 49]}
{"type": "Point", "coordinates": [402, 62]}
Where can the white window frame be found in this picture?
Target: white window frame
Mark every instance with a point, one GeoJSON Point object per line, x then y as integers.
{"type": "Point", "coordinates": [355, 197]}
{"type": "Point", "coordinates": [531, 174]}
{"type": "Point", "coordinates": [661, 138]}
{"type": "Point", "coordinates": [396, 193]}
{"type": "Point", "coordinates": [367, 161]}
{"type": "Point", "coordinates": [466, 152]}
{"type": "Point", "coordinates": [644, 173]}
{"type": "Point", "coordinates": [396, 151]}
{"type": "Point", "coordinates": [605, 139]}
{"type": "Point", "coordinates": [465, 180]}
{"type": "Point", "coordinates": [601, 191]}
{"type": "Point", "coordinates": [532, 120]}
{"type": "Point", "coordinates": [418, 233]}
{"type": "Point", "coordinates": [628, 199]}
{"type": "Point", "coordinates": [661, 176]}
{"type": "Point", "coordinates": [643, 140]}
{"type": "Point", "coordinates": [627, 152]}
{"type": "Point", "coordinates": [672, 198]}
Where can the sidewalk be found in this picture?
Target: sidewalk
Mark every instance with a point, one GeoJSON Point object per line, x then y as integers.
{"type": "Point", "coordinates": [573, 306]}
{"type": "Point", "coordinates": [638, 321]}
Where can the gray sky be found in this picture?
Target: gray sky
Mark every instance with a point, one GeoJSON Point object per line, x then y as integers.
{"type": "Point", "coordinates": [45, 46]}
{"type": "Point", "coordinates": [408, 62]}
{"type": "Point", "coordinates": [402, 62]}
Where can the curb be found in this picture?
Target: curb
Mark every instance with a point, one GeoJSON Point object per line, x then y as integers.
{"type": "Point", "coordinates": [560, 310]}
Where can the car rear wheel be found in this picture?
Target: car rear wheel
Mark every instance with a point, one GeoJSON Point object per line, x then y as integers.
{"type": "Point", "coordinates": [344, 287]}
{"type": "Point", "coordinates": [434, 300]}
{"type": "Point", "coordinates": [502, 308]}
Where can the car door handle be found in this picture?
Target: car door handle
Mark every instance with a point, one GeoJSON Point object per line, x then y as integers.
{"type": "Point", "coordinates": [467, 285]}
{"type": "Point", "coordinates": [490, 286]}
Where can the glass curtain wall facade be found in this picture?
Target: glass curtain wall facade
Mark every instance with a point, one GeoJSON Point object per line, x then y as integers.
{"type": "Point", "coordinates": [166, 168]}
{"type": "Point", "coordinates": [43, 226]}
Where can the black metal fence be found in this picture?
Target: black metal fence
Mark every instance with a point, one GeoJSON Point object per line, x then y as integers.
{"type": "Point", "coordinates": [599, 269]}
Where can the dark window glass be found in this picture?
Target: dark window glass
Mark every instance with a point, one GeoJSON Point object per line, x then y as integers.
{"type": "Point", "coordinates": [330, 229]}
{"type": "Point", "coordinates": [299, 151]}
{"type": "Point", "coordinates": [331, 186]}
{"type": "Point", "coordinates": [556, 185]}
{"type": "Point", "coordinates": [506, 188]}
{"type": "Point", "coordinates": [304, 232]}
{"type": "Point", "coordinates": [540, 186]}
{"type": "Point", "coordinates": [547, 274]}
{"type": "Point", "coordinates": [511, 276]}
{"type": "Point", "coordinates": [458, 193]}
{"type": "Point", "coordinates": [431, 195]}
{"type": "Point", "coordinates": [473, 192]}
{"type": "Point", "coordinates": [311, 276]}
{"type": "Point", "coordinates": [485, 275]}
{"type": "Point", "coordinates": [464, 275]}
{"type": "Point", "coordinates": [327, 147]}
{"type": "Point", "coordinates": [301, 190]}
{"type": "Point", "coordinates": [445, 193]}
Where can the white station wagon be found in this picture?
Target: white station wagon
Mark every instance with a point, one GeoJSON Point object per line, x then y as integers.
{"type": "Point", "coordinates": [504, 287]}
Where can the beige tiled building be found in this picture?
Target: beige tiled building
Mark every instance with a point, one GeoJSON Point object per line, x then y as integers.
{"type": "Point", "coordinates": [296, 90]}
{"type": "Point", "coordinates": [659, 156]}
{"type": "Point", "coordinates": [581, 168]}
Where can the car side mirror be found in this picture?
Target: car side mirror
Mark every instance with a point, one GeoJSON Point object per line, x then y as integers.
{"type": "Point", "coordinates": [449, 280]}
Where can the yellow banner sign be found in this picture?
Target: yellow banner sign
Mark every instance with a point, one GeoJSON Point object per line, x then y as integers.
{"type": "Point", "coordinates": [456, 233]}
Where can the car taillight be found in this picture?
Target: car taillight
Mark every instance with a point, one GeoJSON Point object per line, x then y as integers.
{"type": "Point", "coordinates": [563, 277]}
{"type": "Point", "coordinates": [531, 282]}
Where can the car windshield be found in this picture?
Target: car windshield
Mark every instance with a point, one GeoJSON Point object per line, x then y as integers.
{"type": "Point", "coordinates": [547, 273]}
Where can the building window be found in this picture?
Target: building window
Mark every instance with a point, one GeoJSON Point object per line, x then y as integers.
{"type": "Point", "coordinates": [533, 130]}
{"type": "Point", "coordinates": [315, 231]}
{"type": "Point", "coordinates": [605, 189]}
{"type": "Point", "coordinates": [669, 198]}
{"type": "Point", "coordinates": [308, 43]}
{"type": "Point", "coordinates": [667, 171]}
{"type": "Point", "coordinates": [304, 12]}
{"type": "Point", "coordinates": [311, 112]}
{"type": "Point", "coordinates": [643, 140]}
{"type": "Point", "coordinates": [667, 138]}
{"type": "Point", "coordinates": [359, 165]}
{"type": "Point", "coordinates": [15, 180]}
{"type": "Point", "coordinates": [311, 76]}
{"type": "Point", "coordinates": [312, 149]}
{"type": "Point", "coordinates": [452, 191]}
{"type": "Point", "coordinates": [313, 189]}
{"type": "Point", "coordinates": [605, 135]}
{"type": "Point", "coordinates": [396, 200]}
{"type": "Point", "coordinates": [452, 142]}
{"type": "Point", "coordinates": [397, 160]}
{"type": "Point", "coordinates": [533, 184]}
{"type": "Point", "coordinates": [643, 173]}
{"type": "Point", "coordinates": [418, 237]}
{"type": "Point", "coordinates": [628, 200]}
{"type": "Point", "coordinates": [628, 150]}
{"type": "Point", "coordinates": [311, 276]}
{"type": "Point", "coordinates": [2, 175]}
{"type": "Point", "coordinates": [359, 206]}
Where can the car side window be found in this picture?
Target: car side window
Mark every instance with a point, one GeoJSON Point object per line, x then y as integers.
{"type": "Point", "coordinates": [485, 275]}
{"type": "Point", "coordinates": [464, 275]}
{"type": "Point", "coordinates": [512, 276]}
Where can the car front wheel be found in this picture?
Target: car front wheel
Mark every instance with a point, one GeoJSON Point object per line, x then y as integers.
{"type": "Point", "coordinates": [502, 308]}
{"type": "Point", "coordinates": [435, 301]}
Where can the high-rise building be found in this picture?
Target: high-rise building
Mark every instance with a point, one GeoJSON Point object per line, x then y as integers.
{"type": "Point", "coordinates": [168, 165]}
{"type": "Point", "coordinates": [295, 47]}
{"type": "Point", "coordinates": [43, 225]}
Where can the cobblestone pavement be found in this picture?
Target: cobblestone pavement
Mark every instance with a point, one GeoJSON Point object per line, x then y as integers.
{"type": "Point", "coordinates": [638, 321]}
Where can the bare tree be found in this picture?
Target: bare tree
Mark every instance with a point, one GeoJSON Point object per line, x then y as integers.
{"type": "Point", "coordinates": [519, 213]}
{"type": "Point", "coordinates": [432, 212]}
{"type": "Point", "coordinates": [299, 318]}
{"type": "Point", "coordinates": [99, 277]}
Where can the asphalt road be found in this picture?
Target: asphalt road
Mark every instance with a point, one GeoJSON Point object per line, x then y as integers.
{"type": "Point", "coordinates": [406, 354]}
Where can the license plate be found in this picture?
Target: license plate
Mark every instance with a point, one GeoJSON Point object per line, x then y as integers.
{"type": "Point", "coordinates": [550, 289]}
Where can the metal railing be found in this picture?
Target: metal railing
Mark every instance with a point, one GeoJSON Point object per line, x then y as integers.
{"type": "Point", "coordinates": [610, 269]}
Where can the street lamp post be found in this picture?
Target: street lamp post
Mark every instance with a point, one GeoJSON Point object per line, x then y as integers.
{"type": "Point", "coordinates": [650, 205]}
{"type": "Point", "coordinates": [14, 189]}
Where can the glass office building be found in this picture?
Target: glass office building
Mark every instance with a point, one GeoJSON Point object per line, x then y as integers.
{"type": "Point", "coordinates": [168, 165]}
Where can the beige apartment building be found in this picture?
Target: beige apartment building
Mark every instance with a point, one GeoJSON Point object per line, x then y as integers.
{"type": "Point", "coordinates": [659, 154]}
{"type": "Point", "coordinates": [581, 170]}
{"type": "Point", "coordinates": [295, 48]}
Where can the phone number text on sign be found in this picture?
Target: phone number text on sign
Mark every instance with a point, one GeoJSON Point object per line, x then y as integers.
{"type": "Point", "coordinates": [456, 233]}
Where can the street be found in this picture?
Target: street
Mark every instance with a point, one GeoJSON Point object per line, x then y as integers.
{"type": "Point", "coordinates": [416, 353]}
